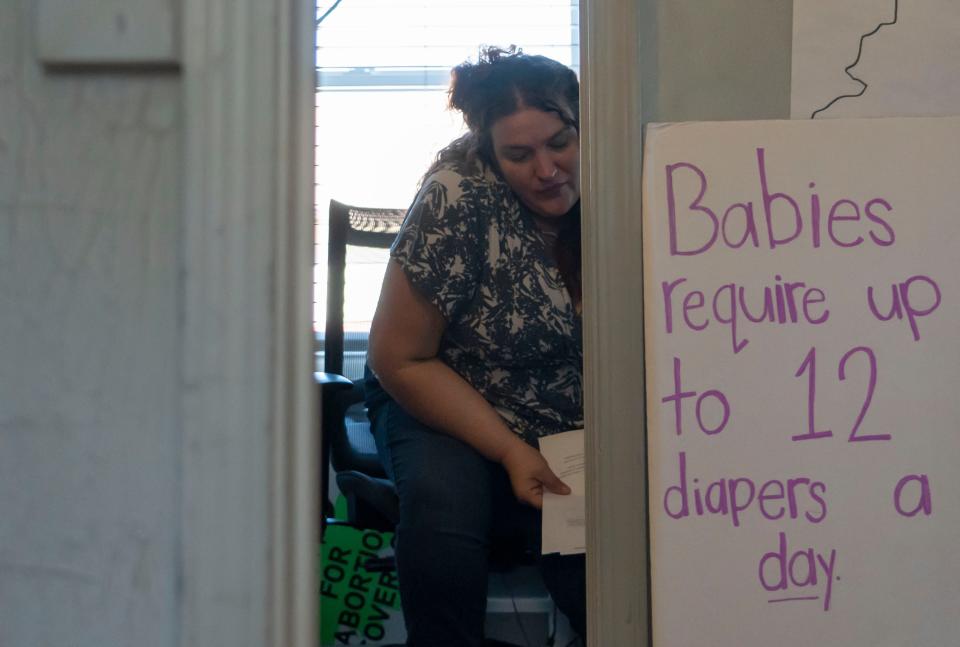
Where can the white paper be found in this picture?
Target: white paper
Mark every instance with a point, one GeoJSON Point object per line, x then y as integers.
{"type": "Point", "coordinates": [564, 516]}
{"type": "Point", "coordinates": [909, 66]}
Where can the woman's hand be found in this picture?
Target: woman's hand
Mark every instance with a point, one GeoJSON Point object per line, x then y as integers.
{"type": "Point", "coordinates": [530, 475]}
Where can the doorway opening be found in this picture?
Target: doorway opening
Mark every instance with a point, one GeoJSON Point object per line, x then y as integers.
{"type": "Point", "coordinates": [382, 74]}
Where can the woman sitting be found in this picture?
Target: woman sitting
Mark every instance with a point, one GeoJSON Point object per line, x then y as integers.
{"type": "Point", "coordinates": [476, 344]}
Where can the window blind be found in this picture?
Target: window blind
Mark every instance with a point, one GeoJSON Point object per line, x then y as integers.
{"type": "Point", "coordinates": [404, 43]}
{"type": "Point", "coordinates": [383, 68]}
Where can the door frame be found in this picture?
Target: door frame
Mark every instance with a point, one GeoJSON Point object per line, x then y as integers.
{"type": "Point", "coordinates": [618, 611]}
{"type": "Point", "coordinates": [249, 537]}
{"type": "Point", "coordinates": [249, 525]}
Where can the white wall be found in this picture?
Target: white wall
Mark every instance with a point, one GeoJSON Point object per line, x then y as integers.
{"type": "Point", "coordinates": [89, 350]}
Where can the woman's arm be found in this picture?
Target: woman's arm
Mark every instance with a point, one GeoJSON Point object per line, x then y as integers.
{"type": "Point", "coordinates": [404, 340]}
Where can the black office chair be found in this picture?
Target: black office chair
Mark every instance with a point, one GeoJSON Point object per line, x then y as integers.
{"type": "Point", "coordinates": [347, 442]}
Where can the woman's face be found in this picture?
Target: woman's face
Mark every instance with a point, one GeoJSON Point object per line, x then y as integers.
{"type": "Point", "coordinates": [539, 156]}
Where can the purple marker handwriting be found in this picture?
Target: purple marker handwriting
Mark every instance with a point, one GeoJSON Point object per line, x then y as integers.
{"type": "Point", "coordinates": [735, 306]}
{"type": "Point", "coordinates": [733, 497]}
{"type": "Point", "coordinates": [785, 219]}
{"type": "Point", "coordinates": [809, 366]}
{"type": "Point", "coordinates": [771, 215]}
{"type": "Point", "coordinates": [711, 398]}
{"type": "Point", "coordinates": [922, 495]}
{"type": "Point", "coordinates": [902, 300]}
{"type": "Point", "coordinates": [800, 570]}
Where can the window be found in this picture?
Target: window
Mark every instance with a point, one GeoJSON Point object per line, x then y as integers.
{"type": "Point", "coordinates": [382, 69]}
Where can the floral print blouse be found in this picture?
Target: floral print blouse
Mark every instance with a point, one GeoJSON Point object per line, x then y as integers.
{"type": "Point", "coordinates": [471, 248]}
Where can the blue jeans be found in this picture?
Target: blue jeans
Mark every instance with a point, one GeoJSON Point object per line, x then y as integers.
{"type": "Point", "coordinates": [455, 504]}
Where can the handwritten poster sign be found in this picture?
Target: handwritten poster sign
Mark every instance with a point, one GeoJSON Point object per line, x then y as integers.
{"type": "Point", "coordinates": [802, 313]}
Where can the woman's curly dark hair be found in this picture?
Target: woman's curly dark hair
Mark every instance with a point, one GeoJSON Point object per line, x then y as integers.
{"type": "Point", "coordinates": [499, 84]}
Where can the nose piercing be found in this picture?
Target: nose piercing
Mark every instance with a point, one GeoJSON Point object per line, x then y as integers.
{"type": "Point", "coordinates": [554, 174]}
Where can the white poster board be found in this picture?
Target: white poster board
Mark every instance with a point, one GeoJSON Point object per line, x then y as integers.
{"type": "Point", "coordinates": [875, 58]}
{"type": "Point", "coordinates": [802, 321]}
